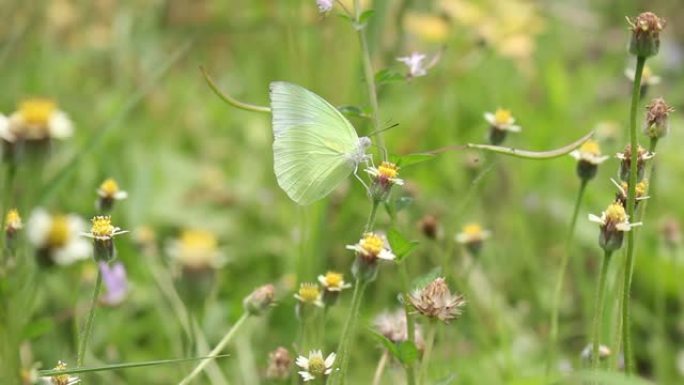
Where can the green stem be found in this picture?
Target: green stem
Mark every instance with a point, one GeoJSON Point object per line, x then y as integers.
{"type": "Point", "coordinates": [631, 203]}
{"type": "Point", "coordinates": [380, 369]}
{"type": "Point", "coordinates": [221, 345]}
{"type": "Point", "coordinates": [369, 74]}
{"type": "Point", "coordinates": [229, 99]}
{"type": "Point", "coordinates": [598, 310]}
{"type": "Point", "coordinates": [349, 329]}
{"type": "Point", "coordinates": [88, 327]}
{"type": "Point", "coordinates": [371, 217]}
{"type": "Point", "coordinates": [429, 344]}
{"type": "Point", "coordinates": [558, 291]}
{"type": "Point", "coordinates": [410, 322]}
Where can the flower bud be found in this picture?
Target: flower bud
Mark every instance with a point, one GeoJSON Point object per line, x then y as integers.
{"type": "Point", "coordinates": [259, 300]}
{"type": "Point", "coordinates": [645, 29]}
{"type": "Point", "coordinates": [657, 124]}
{"type": "Point", "coordinates": [614, 222]}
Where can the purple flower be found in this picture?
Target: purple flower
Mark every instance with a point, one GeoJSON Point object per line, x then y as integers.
{"type": "Point", "coordinates": [115, 282]}
{"type": "Point", "coordinates": [415, 65]}
{"type": "Point", "coordinates": [324, 6]}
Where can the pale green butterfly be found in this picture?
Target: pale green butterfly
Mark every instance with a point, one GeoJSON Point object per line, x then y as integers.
{"type": "Point", "coordinates": [315, 147]}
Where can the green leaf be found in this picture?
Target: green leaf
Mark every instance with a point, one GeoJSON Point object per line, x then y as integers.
{"type": "Point", "coordinates": [533, 154]}
{"type": "Point", "coordinates": [37, 328]}
{"type": "Point", "coordinates": [411, 159]}
{"type": "Point", "coordinates": [425, 279]}
{"type": "Point", "coordinates": [127, 365]}
{"type": "Point", "coordinates": [389, 345]}
{"type": "Point", "coordinates": [365, 16]}
{"type": "Point", "coordinates": [401, 247]}
{"type": "Point", "coordinates": [386, 76]}
{"type": "Point", "coordinates": [407, 352]}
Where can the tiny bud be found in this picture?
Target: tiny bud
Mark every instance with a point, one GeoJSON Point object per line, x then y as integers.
{"type": "Point", "coordinates": [259, 300]}
{"type": "Point", "coordinates": [657, 124]}
{"type": "Point", "coordinates": [645, 29]}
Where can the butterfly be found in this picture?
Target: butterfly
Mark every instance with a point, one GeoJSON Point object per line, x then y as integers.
{"type": "Point", "coordinates": [315, 147]}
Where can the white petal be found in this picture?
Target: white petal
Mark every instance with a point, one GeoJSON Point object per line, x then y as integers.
{"type": "Point", "coordinates": [601, 159]}
{"type": "Point", "coordinates": [386, 255]}
{"type": "Point", "coordinates": [38, 227]}
{"type": "Point", "coordinates": [60, 126]}
{"type": "Point", "coordinates": [306, 376]}
{"type": "Point", "coordinates": [462, 238]}
{"type": "Point", "coordinates": [594, 218]}
{"type": "Point", "coordinates": [330, 360]}
{"type": "Point", "coordinates": [5, 132]}
{"type": "Point", "coordinates": [121, 195]}
{"type": "Point", "coordinates": [489, 117]}
{"type": "Point", "coordinates": [321, 279]}
{"type": "Point", "coordinates": [74, 251]}
{"type": "Point", "coordinates": [302, 362]}
{"type": "Point", "coordinates": [513, 128]}
{"type": "Point", "coordinates": [576, 154]}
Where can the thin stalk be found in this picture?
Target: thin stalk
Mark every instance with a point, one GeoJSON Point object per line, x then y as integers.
{"type": "Point", "coordinates": [410, 323]}
{"type": "Point", "coordinates": [661, 358]}
{"type": "Point", "coordinates": [88, 327]}
{"type": "Point", "coordinates": [369, 74]}
{"type": "Point", "coordinates": [348, 331]}
{"type": "Point", "coordinates": [598, 310]}
{"type": "Point", "coordinates": [371, 216]}
{"type": "Point", "coordinates": [558, 291]}
{"type": "Point", "coordinates": [429, 344]}
{"type": "Point", "coordinates": [380, 369]}
{"type": "Point", "coordinates": [221, 345]}
{"type": "Point", "coordinates": [631, 203]}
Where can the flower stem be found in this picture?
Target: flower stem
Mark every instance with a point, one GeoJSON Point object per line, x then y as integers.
{"type": "Point", "coordinates": [558, 291]}
{"type": "Point", "coordinates": [429, 344]}
{"type": "Point", "coordinates": [368, 71]}
{"type": "Point", "coordinates": [631, 203]}
{"type": "Point", "coordinates": [371, 216]}
{"type": "Point", "coordinates": [380, 369]}
{"type": "Point", "coordinates": [88, 327]}
{"type": "Point", "coordinates": [348, 331]}
{"type": "Point", "coordinates": [410, 322]}
{"type": "Point", "coordinates": [221, 345]}
{"type": "Point", "coordinates": [598, 310]}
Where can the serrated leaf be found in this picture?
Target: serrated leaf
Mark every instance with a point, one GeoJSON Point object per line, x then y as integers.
{"type": "Point", "coordinates": [401, 247]}
{"type": "Point", "coordinates": [126, 365]}
{"type": "Point", "coordinates": [386, 76]}
{"type": "Point", "coordinates": [407, 352]}
{"type": "Point", "coordinates": [533, 154]}
{"type": "Point", "coordinates": [425, 279]}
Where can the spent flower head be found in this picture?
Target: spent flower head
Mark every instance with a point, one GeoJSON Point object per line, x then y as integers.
{"type": "Point", "coordinates": [57, 237]}
{"type": "Point", "coordinates": [393, 326]}
{"type": "Point", "coordinates": [279, 364]}
{"type": "Point", "coordinates": [671, 233]}
{"type": "Point", "coordinates": [260, 300]}
{"type": "Point", "coordinates": [38, 119]}
{"type": "Point", "coordinates": [436, 301]}
{"type": "Point", "coordinates": [657, 124]}
{"type": "Point", "coordinates": [500, 123]}
{"type": "Point", "coordinates": [646, 28]}
{"type": "Point", "coordinates": [314, 366]}
{"type": "Point", "coordinates": [429, 226]}
{"type": "Point", "coordinates": [614, 222]}
{"type": "Point", "coordinates": [621, 196]}
{"type": "Point", "coordinates": [626, 161]}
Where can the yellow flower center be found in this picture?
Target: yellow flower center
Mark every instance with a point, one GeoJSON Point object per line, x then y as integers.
{"type": "Point", "coordinates": [12, 220]}
{"type": "Point", "coordinates": [37, 111]}
{"type": "Point", "coordinates": [646, 74]}
{"type": "Point", "coordinates": [109, 187]}
{"type": "Point", "coordinates": [502, 117]}
{"type": "Point", "coordinates": [102, 226]}
{"type": "Point", "coordinates": [198, 240]}
{"type": "Point", "coordinates": [641, 188]}
{"type": "Point", "coordinates": [388, 170]}
{"type": "Point", "coordinates": [472, 230]}
{"type": "Point", "coordinates": [309, 292]}
{"type": "Point", "coordinates": [316, 365]}
{"type": "Point", "coordinates": [333, 279]}
{"type": "Point", "coordinates": [58, 235]}
{"type": "Point", "coordinates": [591, 147]}
{"type": "Point", "coordinates": [616, 213]}
{"type": "Point", "coordinates": [62, 379]}
{"type": "Point", "coordinates": [372, 244]}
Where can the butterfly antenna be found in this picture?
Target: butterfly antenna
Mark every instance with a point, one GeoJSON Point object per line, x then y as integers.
{"type": "Point", "coordinates": [383, 149]}
{"type": "Point", "coordinates": [383, 129]}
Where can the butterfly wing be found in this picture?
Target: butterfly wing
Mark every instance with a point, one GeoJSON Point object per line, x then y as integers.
{"type": "Point", "coordinates": [308, 164]}
{"type": "Point", "coordinates": [293, 105]}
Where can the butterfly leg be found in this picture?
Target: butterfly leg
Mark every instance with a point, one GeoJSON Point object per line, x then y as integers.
{"type": "Point", "coordinates": [356, 175]}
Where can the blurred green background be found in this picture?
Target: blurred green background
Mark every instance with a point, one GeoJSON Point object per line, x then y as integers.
{"type": "Point", "coordinates": [127, 74]}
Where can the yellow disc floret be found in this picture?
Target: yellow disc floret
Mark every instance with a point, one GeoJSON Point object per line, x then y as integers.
{"type": "Point", "coordinates": [333, 279]}
{"type": "Point", "coordinates": [316, 365]}
{"type": "Point", "coordinates": [102, 227]}
{"type": "Point", "coordinates": [388, 170]}
{"type": "Point", "coordinates": [309, 292]}
{"type": "Point", "coordinates": [109, 188]}
{"type": "Point", "coordinates": [472, 230]}
{"type": "Point", "coordinates": [12, 220]}
{"type": "Point", "coordinates": [591, 147]}
{"type": "Point", "coordinates": [616, 213]}
{"type": "Point", "coordinates": [37, 111]}
{"type": "Point", "coordinates": [641, 188]}
{"type": "Point", "coordinates": [58, 235]}
{"type": "Point", "coordinates": [502, 117]}
{"type": "Point", "coordinates": [62, 379]}
{"type": "Point", "coordinates": [372, 244]}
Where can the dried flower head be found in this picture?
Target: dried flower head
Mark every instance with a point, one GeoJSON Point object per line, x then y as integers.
{"type": "Point", "coordinates": [57, 238]}
{"type": "Point", "coordinates": [500, 123]}
{"type": "Point", "coordinates": [626, 161]}
{"type": "Point", "coordinates": [315, 366]}
{"type": "Point", "coordinates": [657, 124]}
{"type": "Point", "coordinates": [671, 232]}
{"type": "Point", "coordinates": [436, 301]}
{"type": "Point", "coordinates": [196, 250]}
{"type": "Point", "coordinates": [279, 364]}
{"type": "Point", "coordinates": [115, 283]}
{"type": "Point", "coordinates": [333, 281]}
{"type": "Point", "coordinates": [614, 223]}
{"type": "Point", "coordinates": [260, 300]}
{"type": "Point", "coordinates": [646, 30]}
{"type": "Point", "coordinates": [393, 326]}
{"type": "Point", "coordinates": [38, 119]}
{"type": "Point", "coordinates": [309, 294]}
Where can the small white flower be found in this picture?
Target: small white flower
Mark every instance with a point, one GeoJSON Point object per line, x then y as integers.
{"type": "Point", "coordinates": [325, 6]}
{"type": "Point", "coordinates": [109, 189]}
{"type": "Point", "coordinates": [503, 120]}
{"type": "Point", "coordinates": [38, 119]}
{"type": "Point", "coordinates": [386, 174]}
{"type": "Point", "coordinates": [415, 65]}
{"type": "Point", "coordinates": [472, 233]}
{"type": "Point", "coordinates": [5, 133]}
{"type": "Point", "coordinates": [614, 217]}
{"type": "Point", "coordinates": [372, 247]}
{"type": "Point", "coordinates": [589, 152]}
{"type": "Point", "coordinates": [309, 293]}
{"type": "Point", "coordinates": [59, 236]}
{"type": "Point", "coordinates": [333, 281]}
{"type": "Point", "coordinates": [315, 366]}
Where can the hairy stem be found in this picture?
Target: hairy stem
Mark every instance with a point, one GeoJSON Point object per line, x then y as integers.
{"type": "Point", "coordinates": [429, 344]}
{"type": "Point", "coordinates": [631, 203]}
{"type": "Point", "coordinates": [598, 310]}
{"type": "Point", "coordinates": [88, 327]}
{"type": "Point", "coordinates": [348, 331]}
